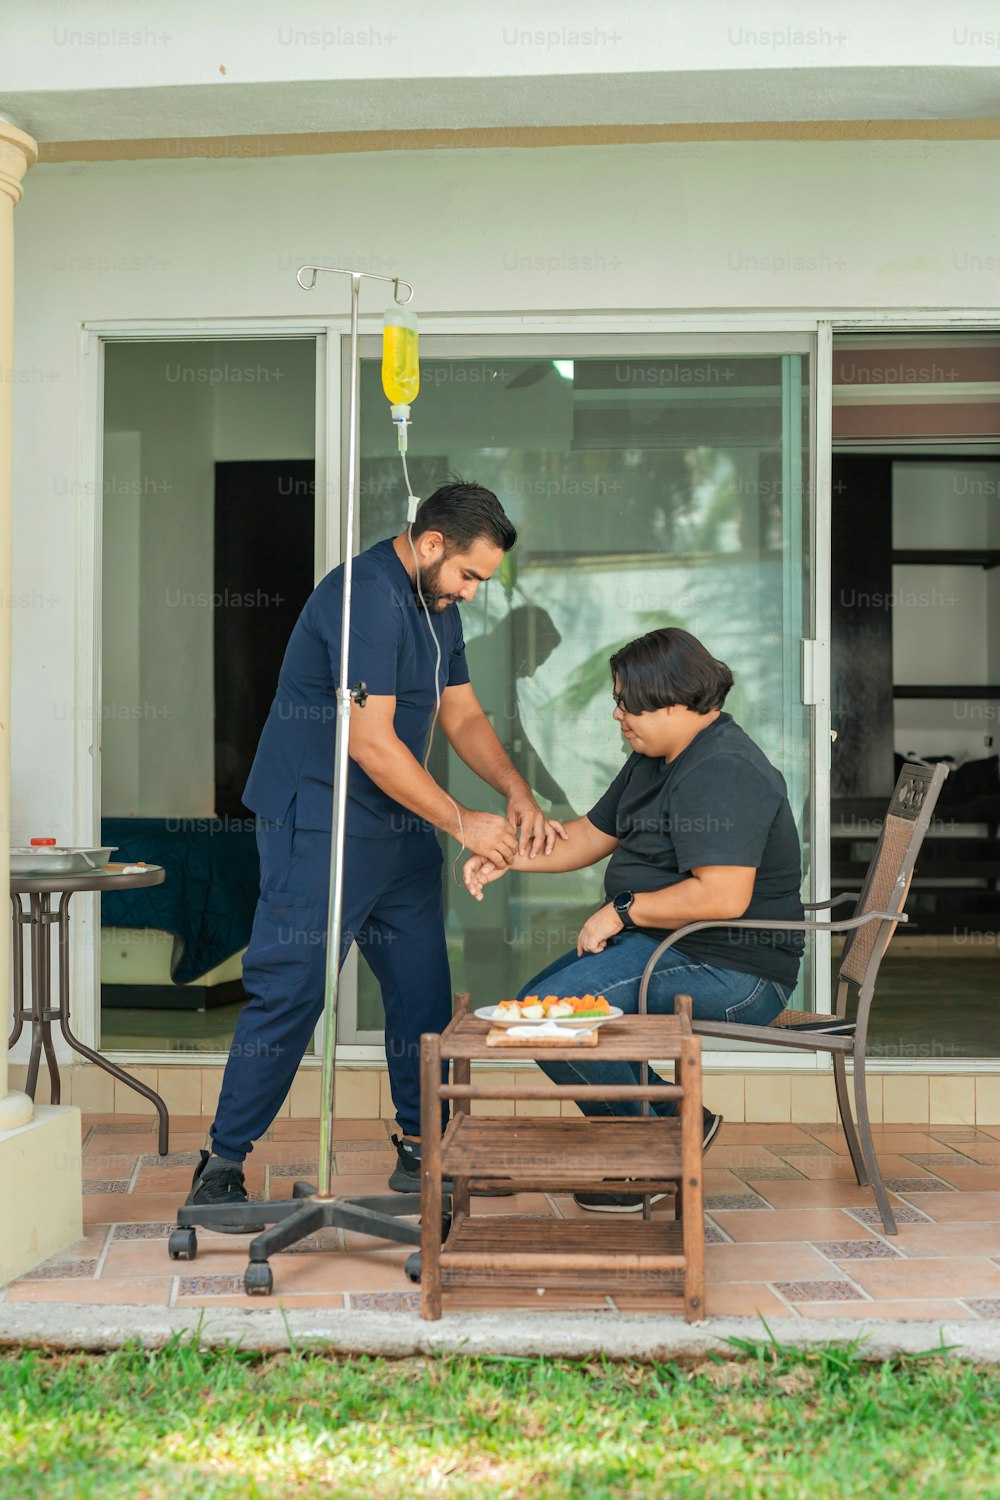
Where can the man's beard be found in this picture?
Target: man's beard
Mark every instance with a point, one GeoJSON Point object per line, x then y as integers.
{"type": "Point", "coordinates": [428, 580]}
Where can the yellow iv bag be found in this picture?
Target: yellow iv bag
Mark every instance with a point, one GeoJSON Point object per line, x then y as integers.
{"type": "Point", "coordinates": [400, 370]}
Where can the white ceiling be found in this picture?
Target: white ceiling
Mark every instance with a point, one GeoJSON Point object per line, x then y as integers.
{"type": "Point", "coordinates": [461, 103]}
{"type": "Point", "coordinates": [125, 69]}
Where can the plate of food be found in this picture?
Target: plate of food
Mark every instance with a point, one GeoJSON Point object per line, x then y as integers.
{"type": "Point", "coordinates": [578, 1012]}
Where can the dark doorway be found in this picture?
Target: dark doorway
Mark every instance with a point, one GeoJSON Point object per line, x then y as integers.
{"type": "Point", "coordinates": [264, 529]}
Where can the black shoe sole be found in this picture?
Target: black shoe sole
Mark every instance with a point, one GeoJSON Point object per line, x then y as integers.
{"type": "Point", "coordinates": [619, 1208]}
{"type": "Point", "coordinates": [191, 1202]}
{"type": "Point", "coordinates": [408, 1182]}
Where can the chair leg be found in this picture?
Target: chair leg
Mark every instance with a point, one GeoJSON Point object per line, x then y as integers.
{"type": "Point", "coordinates": [847, 1118]}
{"type": "Point", "coordinates": [868, 1146]}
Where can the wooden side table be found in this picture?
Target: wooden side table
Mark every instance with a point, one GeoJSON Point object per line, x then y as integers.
{"type": "Point", "coordinates": [648, 1154]}
{"type": "Point", "coordinates": [40, 919]}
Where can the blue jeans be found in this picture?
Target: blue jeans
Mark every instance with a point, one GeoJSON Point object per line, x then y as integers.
{"type": "Point", "coordinates": [717, 995]}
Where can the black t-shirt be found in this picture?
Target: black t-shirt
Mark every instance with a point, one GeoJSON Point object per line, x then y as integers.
{"type": "Point", "coordinates": [720, 802]}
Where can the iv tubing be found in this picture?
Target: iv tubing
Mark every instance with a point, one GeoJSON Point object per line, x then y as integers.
{"type": "Point", "coordinates": [437, 645]}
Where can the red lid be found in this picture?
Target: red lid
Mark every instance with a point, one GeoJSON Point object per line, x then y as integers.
{"type": "Point", "coordinates": [42, 841]}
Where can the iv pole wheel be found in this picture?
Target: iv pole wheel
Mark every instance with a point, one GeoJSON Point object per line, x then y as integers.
{"type": "Point", "coordinates": [258, 1280]}
{"type": "Point", "coordinates": [183, 1244]}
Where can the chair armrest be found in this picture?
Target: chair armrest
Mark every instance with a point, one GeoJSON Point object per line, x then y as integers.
{"type": "Point", "coordinates": [846, 924]}
{"type": "Point", "coordinates": [833, 901]}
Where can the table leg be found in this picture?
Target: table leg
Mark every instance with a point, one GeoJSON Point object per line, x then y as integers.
{"type": "Point", "coordinates": [461, 1070]}
{"type": "Point", "coordinates": [40, 999]}
{"type": "Point", "coordinates": [17, 956]}
{"type": "Point", "coordinates": [430, 1158]}
{"type": "Point", "coordinates": [62, 918]}
{"type": "Point", "coordinates": [693, 1221]}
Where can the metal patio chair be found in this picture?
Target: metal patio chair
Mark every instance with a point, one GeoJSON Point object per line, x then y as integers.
{"type": "Point", "coordinates": [878, 909]}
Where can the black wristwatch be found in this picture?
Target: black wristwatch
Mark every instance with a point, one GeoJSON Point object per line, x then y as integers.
{"type": "Point", "coordinates": [621, 904]}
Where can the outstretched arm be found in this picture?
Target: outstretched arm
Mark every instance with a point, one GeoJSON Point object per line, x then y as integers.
{"type": "Point", "coordinates": [584, 844]}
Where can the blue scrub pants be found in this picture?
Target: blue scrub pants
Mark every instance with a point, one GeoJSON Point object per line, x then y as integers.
{"type": "Point", "coordinates": [717, 994]}
{"type": "Point", "coordinates": [393, 909]}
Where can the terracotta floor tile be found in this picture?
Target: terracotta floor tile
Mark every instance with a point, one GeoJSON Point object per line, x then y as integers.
{"type": "Point", "coordinates": [890, 1138]}
{"type": "Point", "coordinates": [88, 1248]}
{"type": "Point", "coordinates": [761, 1135]}
{"type": "Point", "coordinates": [716, 1180]}
{"type": "Point", "coordinates": [728, 1157]}
{"type": "Point", "coordinates": [119, 1123]}
{"type": "Point", "coordinates": [354, 1186]}
{"type": "Point", "coordinates": [185, 1140]}
{"type": "Point", "coordinates": [344, 1128]}
{"type": "Point", "coordinates": [124, 1208]}
{"type": "Point", "coordinates": [773, 1262]}
{"type": "Point", "coordinates": [985, 1152]}
{"type": "Point", "coordinates": [821, 1193]}
{"type": "Point", "coordinates": [373, 1271]}
{"type": "Point", "coordinates": [177, 1180]}
{"type": "Point", "coordinates": [985, 1179]}
{"type": "Point", "coordinates": [146, 1291]}
{"type": "Point", "coordinates": [787, 1225]}
{"type": "Point", "coordinates": [96, 1168]}
{"type": "Point", "coordinates": [961, 1276]}
{"type": "Point", "coordinates": [941, 1311]}
{"type": "Point", "coordinates": [742, 1299]}
{"type": "Point", "coordinates": [840, 1169]}
{"type": "Point", "coordinates": [517, 1203]}
{"type": "Point", "coordinates": [118, 1145]}
{"type": "Point", "coordinates": [352, 1162]}
{"type": "Point", "coordinates": [216, 1253]}
{"type": "Point", "coordinates": [949, 1208]}
{"type": "Point", "coordinates": [831, 1168]}
{"type": "Point", "coordinates": [919, 1240]}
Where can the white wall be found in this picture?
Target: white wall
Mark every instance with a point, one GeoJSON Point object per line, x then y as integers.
{"type": "Point", "coordinates": [631, 228]}
{"type": "Point", "coordinates": [722, 227]}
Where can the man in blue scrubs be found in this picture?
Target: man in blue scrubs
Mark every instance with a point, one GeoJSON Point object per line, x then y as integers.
{"type": "Point", "coordinates": [393, 906]}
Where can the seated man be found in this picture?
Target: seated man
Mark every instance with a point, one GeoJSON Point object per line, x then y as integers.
{"type": "Point", "coordinates": [699, 828]}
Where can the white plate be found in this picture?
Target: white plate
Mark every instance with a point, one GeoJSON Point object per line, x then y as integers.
{"type": "Point", "coordinates": [572, 1023]}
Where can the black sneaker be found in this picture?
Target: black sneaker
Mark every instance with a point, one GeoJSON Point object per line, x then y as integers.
{"type": "Point", "coordinates": [631, 1203]}
{"type": "Point", "coordinates": [406, 1173]}
{"type": "Point", "coordinates": [713, 1124]}
{"type": "Point", "coordinates": [223, 1185]}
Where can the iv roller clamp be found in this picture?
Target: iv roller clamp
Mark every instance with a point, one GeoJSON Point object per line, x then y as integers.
{"type": "Point", "coordinates": [392, 1216]}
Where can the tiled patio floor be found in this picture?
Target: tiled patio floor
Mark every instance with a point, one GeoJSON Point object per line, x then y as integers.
{"type": "Point", "coordinates": [789, 1232]}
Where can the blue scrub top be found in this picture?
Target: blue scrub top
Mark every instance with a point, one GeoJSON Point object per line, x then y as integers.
{"type": "Point", "coordinates": [393, 654]}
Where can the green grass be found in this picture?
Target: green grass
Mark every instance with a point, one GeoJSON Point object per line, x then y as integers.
{"type": "Point", "coordinates": [188, 1421]}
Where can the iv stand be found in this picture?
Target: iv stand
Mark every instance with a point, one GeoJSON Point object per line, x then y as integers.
{"type": "Point", "coordinates": [310, 1209]}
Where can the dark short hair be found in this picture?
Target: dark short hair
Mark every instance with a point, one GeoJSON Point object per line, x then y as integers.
{"type": "Point", "coordinates": [667, 667]}
{"type": "Point", "coordinates": [465, 514]}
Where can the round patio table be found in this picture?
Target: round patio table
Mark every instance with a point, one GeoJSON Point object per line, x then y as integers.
{"type": "Point", "coordinates": [40, 918]}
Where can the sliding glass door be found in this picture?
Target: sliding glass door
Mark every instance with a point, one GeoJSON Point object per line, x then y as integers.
{"type": "Point", "coordinates": [649, 487]}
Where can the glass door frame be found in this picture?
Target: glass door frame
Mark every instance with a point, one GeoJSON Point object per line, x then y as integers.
{"type": "Point", "coordinates": [566, 339]}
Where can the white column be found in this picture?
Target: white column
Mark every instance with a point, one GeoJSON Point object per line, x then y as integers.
{"type": "Point", "coordinates": [40, 1168]}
